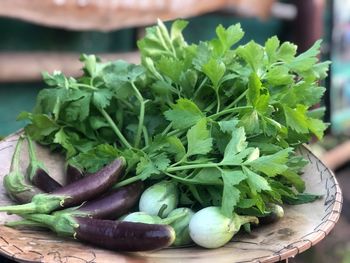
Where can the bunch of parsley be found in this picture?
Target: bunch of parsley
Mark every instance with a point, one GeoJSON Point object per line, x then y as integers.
{"type": "Point", "coordinates": [220, 119]}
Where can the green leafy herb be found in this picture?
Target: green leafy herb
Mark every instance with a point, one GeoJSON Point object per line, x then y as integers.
{"type": "Point", "coordinates": [219, 118]}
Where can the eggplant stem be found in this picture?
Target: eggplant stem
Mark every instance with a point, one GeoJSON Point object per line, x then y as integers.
{"type": "Point", "coordinates": [31, 148]}
{"type": "Point", "coordinates": [23, 222]}
{"type": "Point", "coordinates": [41, 203]}
{"type": "Point", "coordinates": [16, 156]}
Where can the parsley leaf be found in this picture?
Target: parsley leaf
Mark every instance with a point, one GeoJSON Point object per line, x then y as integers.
{"type": "Point", "coordinates": [199, 140]}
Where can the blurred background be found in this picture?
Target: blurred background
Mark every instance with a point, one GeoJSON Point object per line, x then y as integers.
{"type": "Point", "coordinates": [48, 35]}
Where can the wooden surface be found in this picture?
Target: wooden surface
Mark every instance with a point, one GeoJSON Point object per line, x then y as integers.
{"type": "Point", "coordinates": [302, 227]}
{"type": "Point", "coordinates": [33, 63]}
{"type": "Point", "coordinates": [115, 14]}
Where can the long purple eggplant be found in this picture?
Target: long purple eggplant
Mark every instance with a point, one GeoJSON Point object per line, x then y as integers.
{"type": "Point", "coordinates": [37, 172]}
{"type": "Point", "coordinates": [73, 194]}
{"type": "Point", "coordinates": [73, 173]}
{"type": "Point", "coordinates": [18, 189]}
{"type": "Point", "coordinates": [113, 204]}
{"type": "Point", "coordinates": [114, 235]}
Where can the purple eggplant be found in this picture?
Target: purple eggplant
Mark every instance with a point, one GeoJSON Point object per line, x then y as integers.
{"type": "Point", "coordinates": [37, 173]}
{"type": "Point", "coordinates": [274, 213]}
{"type": "Point", "coordinates": [110, 234]}
{"type": "Point", "coordinates": [124, 236]}
{"type": "Point", "coordinates": [113, 204]}
{"type": "Point", "coordinates": [73, 173]}
{"type": "Point", "coordinates": [73, 194]}
{"type": "Point", "coordinates": [18, 189]}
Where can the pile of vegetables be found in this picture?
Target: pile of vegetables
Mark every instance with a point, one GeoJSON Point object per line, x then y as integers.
{"type": "Point", "coordinates": [210, 129]}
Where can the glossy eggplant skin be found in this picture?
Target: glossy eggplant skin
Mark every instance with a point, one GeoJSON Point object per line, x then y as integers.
{"type": "Point", "coordinates": [123, 236]}
{"type": "Point", "coordinates": [37, 173]}
{"type": "Point", "coordinates": [73, 194]}
{"type": "Point", "coordinates": [92, 185]}
{"type": "Point", "coordinates": [73, 174]}
{"type": "Point", "coordinates": [276, 213]}
{"type": "Point", "coordinates": [115, 203]}
{"type": "Point", "coordinates": [44, 181]}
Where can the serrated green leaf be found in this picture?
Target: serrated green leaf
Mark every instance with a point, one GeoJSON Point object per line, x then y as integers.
{"type": "Point", "coordinates": [230, 198]}
{"type": "Point", "coordinates": [250, 122]}
{"type": "Point", "coordinates": [302, 199]}
{"type": "Point", "coordinates": [41, 126]}
{"type": "Point", "coordinates": [176, 147]}
{"type": "Point", "coordinates": [236, 145]}
{"type": "Point", "coordinates": [246, 203]}
{"type": "Point", "coordinates": [254, 87]}
{"type": "Point", "coordinates": [184, 114]}
{"type": "Point", "coordinates": [102, 98]}
{"type": "Point", "coordinates": [252, 53]}
{"type": "Point", "coordinates": [228, 126]}
{"type": "Point", "coordinates": [198, 139]}
{"type": "Point", "coordinates": [287, 52]}
{"type": "Point", "coordinates": [317, 127]}
{"type": "Point", "coordinates": [231, 194]}
{"type": "Point", "coordinates": [56, 79]}
{"type": "Point", "coordinates": [90, 66]}
{"type": "Point", "coordinates": [279, 75]}
{"type": "Point", "coordinates": [146, 168]}
{"type": "Point", "coordinates": [294, 179]}
{"type": "Point", "coordinates": [307, 59]}
{"type": "Point", "coordinates": [97, 157]}
{"type": "Point", "coordinates": [273, 164]}
{"type": "Point", "coordinates": [77, 110]}
{"type": "Point", "coordinates": [208, 176]}
{"type": "Point", "coordinates": [296, 118]}
{"type": "Point", "coordinates": [63, 139]}
{"type": "Point", "coordinates": [176, 31]}
{"type": "Point", "coordinates": [271, 46]}
{"type": "Point", "coordinates": [308, 94]}
{"type": "Point", "coordinates": [171, 68]}
{"type": "Point", "coordinates": [256, 182]}
{"type": "Point", "coordinates": [230, 36]}
{"type": "Point", "coordinates": [215, 70]}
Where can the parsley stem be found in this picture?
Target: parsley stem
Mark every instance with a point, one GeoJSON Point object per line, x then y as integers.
{"type": "Point", "coordinates": [237, 99]}
{"type": "Point", "coordinates": [214, 116]}
{"type": "Point", "coordinates": [81, 85]}
{"type": "Point", "coordinates": [174, 132]}
{"type": "Point", "coordinates": [141, 115]}
{"type": "Point", "coordinates": [167, 129]}
{"type": "Point", "coordinates": [127, 181]}
{"type": "Point", "coordinates": [145, 136]}
{"type": "Point", "coordinates": [218, 100]}
{"type": "Point", "coordinates": [192, 166]}
{"type": "Point", "coordinates": [196, 166]}
{"type": "Point", "coordinates": [115, 128]}
{"type": "Point", "coordinates": [199, 88]}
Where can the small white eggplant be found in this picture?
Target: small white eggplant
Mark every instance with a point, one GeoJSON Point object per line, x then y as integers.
{"type": "Point", "coordinates": [209, 228]}
{"type": "Point", "coordinates": [159, 199]}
